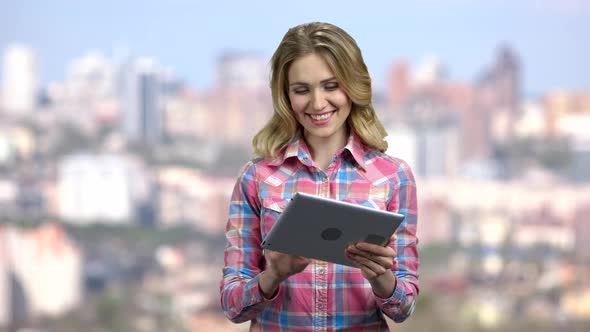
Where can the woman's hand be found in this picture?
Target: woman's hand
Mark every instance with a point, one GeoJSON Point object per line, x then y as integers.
{"type": "Point", "coordinates": [373, 260]}
{"type": "Point", "coordinates": [375, 263]}
{"type": "Point", "coordinates": [282, 266]}
{"type": "Point", "coordinates": [279, 267]}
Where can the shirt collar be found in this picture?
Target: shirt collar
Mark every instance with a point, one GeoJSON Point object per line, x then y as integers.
{"type": "Point", "coordinates": [356, 148]}
{"type": "Point", "coordinates": [298, 148]}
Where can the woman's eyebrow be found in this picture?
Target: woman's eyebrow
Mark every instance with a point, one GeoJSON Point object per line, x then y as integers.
{"type": "Point", "coordinates": [328, 80]}
{"type": "Point", "coordinates": [321, 82]}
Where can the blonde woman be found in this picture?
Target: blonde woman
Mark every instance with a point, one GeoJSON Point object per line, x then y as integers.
{"type": "Point", "coordinates": [325, 139]}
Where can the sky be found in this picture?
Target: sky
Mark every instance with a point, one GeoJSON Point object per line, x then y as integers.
{"type": "Point", "coordinates": [550, 36]}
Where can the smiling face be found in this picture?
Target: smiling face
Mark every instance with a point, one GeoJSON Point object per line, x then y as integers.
{"type": "Point", "coordinates": [317, 100]}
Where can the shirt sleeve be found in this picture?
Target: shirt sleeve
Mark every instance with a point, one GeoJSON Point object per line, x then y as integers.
{"type": "Point", "coordinates": [241, 298]}
{"type": "Point", "coordinates": [402, 302]}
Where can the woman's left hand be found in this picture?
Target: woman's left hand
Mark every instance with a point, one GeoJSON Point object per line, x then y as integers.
{"type": "Point", "coordinates": [373, 260]}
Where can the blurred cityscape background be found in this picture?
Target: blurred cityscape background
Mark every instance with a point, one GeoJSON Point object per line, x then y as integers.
{"type": "Point", "coordinates": [116, 168]}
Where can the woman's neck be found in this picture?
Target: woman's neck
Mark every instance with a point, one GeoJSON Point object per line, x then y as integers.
{"type": "Point", "coordinates": [322, 149]}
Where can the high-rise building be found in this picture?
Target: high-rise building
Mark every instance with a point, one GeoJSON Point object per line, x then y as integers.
{"type": "Point", "coordinates": [498, 97]}
{"type": "Point", "coordinates": [399, 83]}
{"type": "Point", "coordinates": [507, 79]}
{"type": "Point", "coordinates": [431, 151]}
{"type": "Point", "coordinates": [438, 151]}
{"type": "Point", "coordinates": [142, 95]}
{"type": "Point", "coordinates": [503, 78]}
{"type": "Point", "coordinates": [19, 81]}
{"type": "Point", "coordinates": [436, 119]}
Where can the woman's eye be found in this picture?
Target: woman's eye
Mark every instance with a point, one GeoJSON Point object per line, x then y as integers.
{"type": "Point", "coordinates": [300, 91]}
{"type": "Point", "coordinates": [331, 86]}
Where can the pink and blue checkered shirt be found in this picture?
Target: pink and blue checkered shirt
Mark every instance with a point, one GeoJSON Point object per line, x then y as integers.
{"type": "Point", "coordinates": [325, 296]}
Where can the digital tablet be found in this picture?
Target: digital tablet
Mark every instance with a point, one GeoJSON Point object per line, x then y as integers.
{"type": "Point", "coordinates": [321, 228]}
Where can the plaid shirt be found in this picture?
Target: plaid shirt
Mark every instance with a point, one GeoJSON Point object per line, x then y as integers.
{"type": "Point", "coordinates": [325, 296]}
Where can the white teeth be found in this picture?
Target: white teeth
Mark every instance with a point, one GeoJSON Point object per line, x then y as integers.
{"type": "Point", "coordinates": [320, 117]}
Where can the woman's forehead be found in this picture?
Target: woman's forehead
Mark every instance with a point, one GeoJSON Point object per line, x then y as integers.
{"type": "Point", "coordinates": [310, 68]}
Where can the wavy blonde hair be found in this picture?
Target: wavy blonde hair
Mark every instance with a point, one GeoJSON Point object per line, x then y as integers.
{"type": "Point", "coordinates": [344, 58]}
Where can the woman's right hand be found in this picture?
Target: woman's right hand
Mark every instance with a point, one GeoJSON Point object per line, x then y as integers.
{"type": "Point", "coordinates": [282, 266]}
{"type": "Point", "coordinates": [279, 267]}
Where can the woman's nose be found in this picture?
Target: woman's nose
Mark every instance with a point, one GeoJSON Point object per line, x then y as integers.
{"type": "Point", "coordinates": [318, 100]}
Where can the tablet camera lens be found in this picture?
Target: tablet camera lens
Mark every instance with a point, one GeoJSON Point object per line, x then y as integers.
{"type": "Point", "coordinates": [331, 234]}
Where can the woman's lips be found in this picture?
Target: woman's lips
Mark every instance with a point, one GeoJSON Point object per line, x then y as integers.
{"type": "Point", "coordinates": [321, 119]}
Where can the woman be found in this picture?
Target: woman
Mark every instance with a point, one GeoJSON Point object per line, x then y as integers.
{"type": "Point", "coordinates": [325, 139]}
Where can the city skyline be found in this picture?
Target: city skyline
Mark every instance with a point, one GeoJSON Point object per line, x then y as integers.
{"type": "Point", "coordinates": [115, 181]}
{"type": "Point", "coordinates": [548, 36]}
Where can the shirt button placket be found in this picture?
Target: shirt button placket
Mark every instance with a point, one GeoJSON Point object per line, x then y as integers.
{"type": "Point", "coordinates": [326, 187]}
{"type": "Point", "coordinates": [321, 277]}
{"type": "Point", "coordinates": [321, 269]}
